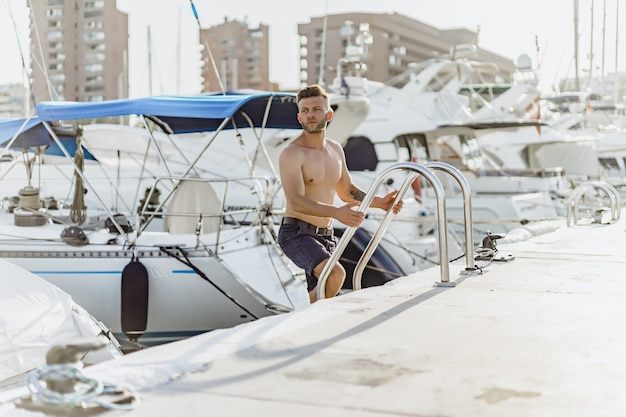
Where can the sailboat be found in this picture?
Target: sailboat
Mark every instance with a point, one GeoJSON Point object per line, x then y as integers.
{"type": "Point", "coordinates": [184, 264]}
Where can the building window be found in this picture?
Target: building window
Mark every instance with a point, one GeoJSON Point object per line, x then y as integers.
{"type": "Point", "coordinates": [98, 4]}
{"type": "Point", "coordinates": [57, 78]}
{"type": "Point", "coordinates": [94, 24]}
{"type": "Point", "coordinates": [91, 36]}
{"type": "Point", "coordinates": [55, 2]}
{"type": "Point", "coordinates": [54, 12]}
{"type": "Point", "coordinates": [95, 78]}
{"type": "Point", "coordinates": [95, 57]}
{"type": "Point", "coordinates": [94, 68]}
{"type": "Point", "coordinates": [93, 88]}
{"type": "Point", "coordinates": [91, 15]}
{"type": "Point", "coordinates": [96, 47]}
{"type": "Point", "coordinates": [55, 34]}
{"type": "Point", "coordinates": [399, 50]}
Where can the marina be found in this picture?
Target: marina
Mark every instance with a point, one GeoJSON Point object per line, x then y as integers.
{"type": "Point", "coordinates": [139, 236]}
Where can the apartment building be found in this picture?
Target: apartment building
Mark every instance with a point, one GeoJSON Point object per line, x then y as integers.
{"type": "Point", "coordinates": [240, 55]}
{"type": "Point", "coordinates": [393, 42]}
{"type": "Point", "coordinates": [13, 101]}
{"type": "Point", "coordinates": [79, 50]}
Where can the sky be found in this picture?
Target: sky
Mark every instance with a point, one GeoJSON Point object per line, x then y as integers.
{"type": "Point", "coordinates": [542, 29]}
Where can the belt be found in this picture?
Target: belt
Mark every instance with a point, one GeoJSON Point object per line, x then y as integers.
{"type": "Point", "coordinates": [322, 231]}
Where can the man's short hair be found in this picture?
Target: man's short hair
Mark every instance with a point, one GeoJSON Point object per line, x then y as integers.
{"type": "Point", "coordinates": [314, 90]}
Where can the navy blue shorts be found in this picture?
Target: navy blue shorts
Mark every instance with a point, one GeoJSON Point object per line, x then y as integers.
{"type": "Point", "coordinates": [305, 248]}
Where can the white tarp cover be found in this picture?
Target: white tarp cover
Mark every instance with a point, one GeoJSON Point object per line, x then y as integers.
{"type": "Point", "coordinates": [34, 316]}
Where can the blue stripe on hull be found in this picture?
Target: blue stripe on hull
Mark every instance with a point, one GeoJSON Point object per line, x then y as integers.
{"type": "Point", "coordinates": [99, 272]}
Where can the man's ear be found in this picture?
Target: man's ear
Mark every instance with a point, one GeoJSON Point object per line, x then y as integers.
{"type": "Point", "coordinates": [329, 115]}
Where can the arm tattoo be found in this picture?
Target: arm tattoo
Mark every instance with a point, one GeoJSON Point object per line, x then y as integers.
{"type": "Point", "coordinates": [358, 195]}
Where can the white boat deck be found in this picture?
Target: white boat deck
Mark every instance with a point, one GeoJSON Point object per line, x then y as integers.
{"type": "Point", "coordinates": [542, 335]}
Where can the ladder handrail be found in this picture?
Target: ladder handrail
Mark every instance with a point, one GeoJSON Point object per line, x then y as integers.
{"type": "Point", "coordinates": [467, 208]}
{"type": "Point", "coordinates": [375, 240]}
{"type": "Point", "coordinates": [577, 193]}
{"type": "Point", "coordinates": [416, 170]}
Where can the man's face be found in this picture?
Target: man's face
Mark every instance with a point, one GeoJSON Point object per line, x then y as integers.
{"type": "Point", "coordinates": [313, 114]}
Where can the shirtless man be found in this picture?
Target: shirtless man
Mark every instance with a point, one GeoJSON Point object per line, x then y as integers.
{"type": "Point", "coordinates": [313, 170]}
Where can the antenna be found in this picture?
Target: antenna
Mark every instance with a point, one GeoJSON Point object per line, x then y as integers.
{"type": "Point", "coordinates": [178, 56]}
{"type": "Point", "coordinates": [576, 45]}
{"type": "Point", "coordinates": [208, 48]}
{"type": "Point", "coordinates": [616, 46]}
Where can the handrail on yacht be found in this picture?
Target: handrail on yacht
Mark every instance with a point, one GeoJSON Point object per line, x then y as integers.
{"type": "Point", "coordinates": [414, 170]}
{"type": "Point", "coordinates": [221, 213]}
{"type": "Point", "coordinates": [579, 191]}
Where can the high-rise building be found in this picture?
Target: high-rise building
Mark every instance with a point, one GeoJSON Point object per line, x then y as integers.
{"type": "Point", "coordinates": [240, 57]}
{"type": "Point", "coordinates": [79, 50]}
{"type": "Point", "coordinates": [393, 43]}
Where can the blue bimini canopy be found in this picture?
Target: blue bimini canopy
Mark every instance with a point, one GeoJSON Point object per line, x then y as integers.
{"type": "Point", "coordinates": [30, 133]}
{"type": "Point", "coordinates": [186, 114]}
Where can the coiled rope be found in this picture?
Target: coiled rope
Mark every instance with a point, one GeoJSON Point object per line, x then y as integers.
{"type": "Point", "coordinates": [85, 391]}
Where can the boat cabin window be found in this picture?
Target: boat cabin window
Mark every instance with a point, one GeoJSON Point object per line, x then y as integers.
{"type": "Point", "coordinates": [387, 152]}
{"type": "Point", "coordinates": [363, 155]}
{"type": "Point", "coordinates": [412, 147]}
{"type": "Point", "coordinates": [461, 151]}
{"type": "Point", "coordinates": [360, 154]}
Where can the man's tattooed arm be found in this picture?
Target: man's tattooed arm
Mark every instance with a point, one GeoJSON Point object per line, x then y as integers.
{"type": "Point", "coordinates": [358, 195]}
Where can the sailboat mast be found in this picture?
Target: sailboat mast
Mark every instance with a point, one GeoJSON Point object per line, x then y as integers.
{"type": "Point", "coordinates": [576, 45]}
{"type": "Point", "coordinates": [616, 86]}
{"type": "Point", "coordinates": [591, 49]}
{"type": "Point", "coordinates": [149, 62]}
{"type": "Point", "coordinates": [603, 39]}
{"type": "Point", "coordinates": [178, 55]}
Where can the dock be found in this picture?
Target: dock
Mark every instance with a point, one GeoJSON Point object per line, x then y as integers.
{"type": "Point", "coordinates": [538, 335]}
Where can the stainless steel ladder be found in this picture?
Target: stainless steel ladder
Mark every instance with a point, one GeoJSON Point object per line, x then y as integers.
{"type": "Point", "coordinates": [414, 170]}
{"type": "Point", "coordinates": [573, 201]}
